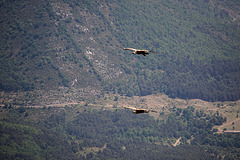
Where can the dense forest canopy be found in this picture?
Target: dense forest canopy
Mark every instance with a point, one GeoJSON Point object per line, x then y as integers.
{"type": "Point", "coordinates": [47, 44]}
{"type": "Point", "coordinates": [197, 55]}
{"type": "Point", "coordinates": [57, 133]}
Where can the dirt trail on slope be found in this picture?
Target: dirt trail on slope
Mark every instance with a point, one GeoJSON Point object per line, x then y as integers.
{"type": "Point", "coordinates": [177, 142]}
{"type": "Point", "coordinates": [220, 128]}
{"type": "Point", "coordinates": [52, 105]}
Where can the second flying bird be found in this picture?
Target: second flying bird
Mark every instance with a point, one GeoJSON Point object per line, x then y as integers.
{"type": "Point", "coordinates": [138, 51]}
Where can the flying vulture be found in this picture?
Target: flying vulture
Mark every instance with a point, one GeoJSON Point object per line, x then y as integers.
{"type": "Point", "coordinates": [138, 111]}
{"type": "Point", "coordinates": [138, 51]}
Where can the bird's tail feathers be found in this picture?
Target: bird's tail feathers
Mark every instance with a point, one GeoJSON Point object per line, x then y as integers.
{"type": "Point", "coordinates": [121, 47]}
{"type": "Point", "coordinates": [153, 111]}
{"type": "Point", "coordinates": [153, 51]}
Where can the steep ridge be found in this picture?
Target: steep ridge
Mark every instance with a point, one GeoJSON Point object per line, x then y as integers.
{"type": "Point", "coordinates": [73, 45]}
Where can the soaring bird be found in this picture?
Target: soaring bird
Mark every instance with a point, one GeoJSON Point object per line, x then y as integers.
{"type": "Point", "coordinates": [138, 51]}
{"type": "Point", "coordinates": [138, 111]}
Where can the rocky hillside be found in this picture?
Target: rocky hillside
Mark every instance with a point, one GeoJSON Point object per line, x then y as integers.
{"type": "Point", "coordinates": [72, 47]}
{"type": "Point", "coordinates": [53, 45]}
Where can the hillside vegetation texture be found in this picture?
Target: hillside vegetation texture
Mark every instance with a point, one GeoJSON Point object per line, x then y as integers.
{"type": "Point", "coordinates": [80, 132]}
{"type": "Point", "coordinates": [49, 44]}
{"type": "Point", "coordinates": [64, 79]}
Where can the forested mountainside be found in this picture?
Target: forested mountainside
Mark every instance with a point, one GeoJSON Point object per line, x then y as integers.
{"type": "Point", "coordinates": [47, 44]}
{"type": "Point", "coordinates": [87, 132]}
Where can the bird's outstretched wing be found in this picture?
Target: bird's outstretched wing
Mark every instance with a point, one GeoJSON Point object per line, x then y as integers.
{"type": "Point", "coordinates": [130, 108]}
{"type": "Point", "coordinates": [132, 49]}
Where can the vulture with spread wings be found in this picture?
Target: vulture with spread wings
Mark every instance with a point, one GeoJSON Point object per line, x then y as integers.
{"type": "Point", "coordinates": [138, 111]}
{"type": "Point", "coordinates": [138, 51]}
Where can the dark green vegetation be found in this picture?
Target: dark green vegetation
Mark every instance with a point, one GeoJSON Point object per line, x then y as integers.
{"type": "Point", "coordinates": [69, 133]}
{"type": "Point", "coordinates": [198, 42]}
{"type": "Point", "coordinates": [46, 44]}
{"type": "Point", "coordinates": [33, 48]}
{"type": "Point", "coordinates": [71, 45]}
